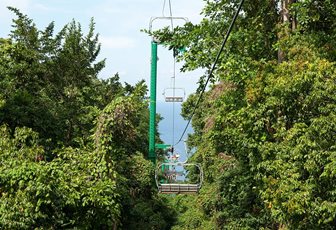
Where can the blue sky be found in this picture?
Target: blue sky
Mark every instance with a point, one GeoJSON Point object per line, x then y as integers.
{"type": "Point", "coordinates": [118, 23]}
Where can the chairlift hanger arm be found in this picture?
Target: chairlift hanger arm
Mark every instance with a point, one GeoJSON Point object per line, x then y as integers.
{"type": "Point", "coordinates": [152, 19]}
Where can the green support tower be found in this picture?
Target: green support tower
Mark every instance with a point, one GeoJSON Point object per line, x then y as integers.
{"type": "Point", "coordinates": [152, 105]}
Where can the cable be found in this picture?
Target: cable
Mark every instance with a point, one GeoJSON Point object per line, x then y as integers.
{"type": "Point", "coordinates": [171, 15]}
{"type": "Point", "coordinates": [212, 69]}
{"type": "Point", "coordinates": [174, 74]}
{"type": "Point", "coordinates": [173, 78]}
{"type": "Point", "coordinates": [163, 8]}
{"type": "Point", "coordinates": [170, 11]}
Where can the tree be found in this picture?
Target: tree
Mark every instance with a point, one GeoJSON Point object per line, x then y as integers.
{"type": "Point", "coordinates": [47, 80]}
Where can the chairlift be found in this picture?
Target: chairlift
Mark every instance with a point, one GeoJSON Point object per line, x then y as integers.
{"type": "Point", "coordinates": [170, 183]}
{"type": "Point", "coordinates": [173, 185]}
{"type": "Point", "coordinates": [174, 94]}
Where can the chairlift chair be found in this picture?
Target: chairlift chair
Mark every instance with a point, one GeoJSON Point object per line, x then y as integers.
{"type": "Point", "coordinates": [167, 187]}
{"type": "Point", "coordinates": [174, 94]}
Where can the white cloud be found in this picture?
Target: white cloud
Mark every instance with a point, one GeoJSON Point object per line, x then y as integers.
{"type": "Point", "coordinates": [117, 42]}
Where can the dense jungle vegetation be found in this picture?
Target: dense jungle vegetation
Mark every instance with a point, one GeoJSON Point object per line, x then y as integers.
{"type": "Point", "coordinates": [73, 147]}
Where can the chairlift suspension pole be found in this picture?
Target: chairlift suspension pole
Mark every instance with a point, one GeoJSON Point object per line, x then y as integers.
{"type": "Point", "coordinates": [153, 85]}
{"type": "Point", "coordinates": [174, 96]}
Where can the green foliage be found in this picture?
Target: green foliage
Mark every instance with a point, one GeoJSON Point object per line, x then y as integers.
{"type": "Point", "coordinates": [316, 15]}
{"type": "Point", "coordinates": [72, 146]}
{"type": "Point", "coordinates": [301, 144]}
{"type": "Point", "coordinates": [265, 132]}
{"type": "Point", "coordinates": [280, 128]}
{"type": "Point", "coordinates": [120, 133]}
{"type": "Point", "coordinates": [196, 211]}
{"type": "Point", "coordinates": [149, 214]}
{"type": "Point", "coordinates": [106, 187]}
{"type": "Point", "coordinates": [72, 190]}
{"type": "Point", "coordinates": [47, 80]}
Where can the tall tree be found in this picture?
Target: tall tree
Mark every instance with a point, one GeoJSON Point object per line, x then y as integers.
{"type": "Point", "coordinates": [47, 80]}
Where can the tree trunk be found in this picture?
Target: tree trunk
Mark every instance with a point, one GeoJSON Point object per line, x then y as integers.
{"type": "Point", "coordinates": [286, 17]}
{"type": "Point", "coordinates": [293, 17]}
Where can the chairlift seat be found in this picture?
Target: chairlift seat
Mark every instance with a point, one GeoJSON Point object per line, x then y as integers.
{"type": "Point", "coordinates": [178, 188]}
{"type": "Point", "coordinates": [174, 94]}
{"type": "Point", "coordinates": [174, 99]}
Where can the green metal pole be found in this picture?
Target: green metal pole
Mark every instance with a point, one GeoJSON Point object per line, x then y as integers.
{"type": "Point", "coordinates": [152, 105]}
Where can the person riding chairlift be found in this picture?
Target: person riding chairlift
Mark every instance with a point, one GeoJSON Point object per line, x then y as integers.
{"type": "Point", "coordinates": [175, 158]}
